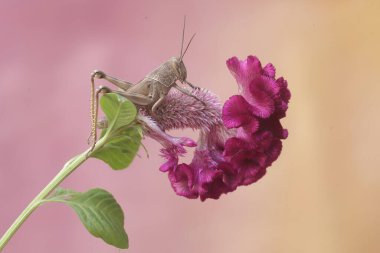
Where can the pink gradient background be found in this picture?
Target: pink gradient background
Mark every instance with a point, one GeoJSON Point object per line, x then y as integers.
{"type": "Point", "coordinates": [322, 195]}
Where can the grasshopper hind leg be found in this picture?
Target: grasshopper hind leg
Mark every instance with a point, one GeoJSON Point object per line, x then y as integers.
{"type": "Point", "coordinates": [94, 113]}
{"type": "Point", "coordinates": [141, 99]}
{"type": "Point", "coordinates": [136, 98]}
{"type": "Point", "coordinates": [124, 85]}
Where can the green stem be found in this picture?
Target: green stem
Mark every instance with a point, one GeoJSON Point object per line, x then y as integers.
{"type": "Point", "coordinates": [67, 169]}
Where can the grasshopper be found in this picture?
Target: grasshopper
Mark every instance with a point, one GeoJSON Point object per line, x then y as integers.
{"type": "Point", "coordinates": [150, 91]}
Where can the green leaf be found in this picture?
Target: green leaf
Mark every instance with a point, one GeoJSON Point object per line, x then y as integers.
{"type": "Point", "coordinates": [120, 150]}
{"type": "Point", "coordinates": [118, 110]}
{"type": "Point", "coordinates": [98, 211]}
{"type": "Point", "coordinates": [123, 135]}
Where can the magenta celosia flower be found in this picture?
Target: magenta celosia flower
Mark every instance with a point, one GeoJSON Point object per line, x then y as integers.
{"type": "Point", "coordinates": [237, 142]}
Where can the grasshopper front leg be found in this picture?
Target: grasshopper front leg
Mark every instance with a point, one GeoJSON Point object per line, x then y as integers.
{"type": "Point", "coordinates": [184, 91]}
{"type": "Point", "coordinates": [124, 85]}
{"type": "Point", "coordinates": [159, 101]}
{"type": "Point", "coordinates": [192, 85]}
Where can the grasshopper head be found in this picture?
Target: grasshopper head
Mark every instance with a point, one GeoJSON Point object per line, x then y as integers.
{"type": "Point", "coordinates": [180, 69]}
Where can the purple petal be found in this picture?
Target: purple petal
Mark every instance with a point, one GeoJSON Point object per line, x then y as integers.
{"type": "Point", "coordinates": [187, 142]}
{"type": "Point", "coordinates": [169, 165]}
{"type": "Point", "coordinates": [253, 176]}
{"type": "Point", "coordinates": [246, 160]}
{"type": "Point", "coordinates": [182, 181]}
{"type": "Point", "coordinates": [273, 152]}
{"type": "Point", "coordinates": [269, 70]}
{"type": "Point", "coordinates": [274, 126]}
{"type": "Point", "coordinates": [231, 177]}
{"type": "Point", "coordinates": [171, 155]}
{"type": "Point", "coordinates": [234, 145]}
{"type": "Point", "coordinates": [284, 91]}
{"type": "Point", "coordinates": [207, 176]}
{"type": "Point", "coordinates": [250, 166]}
{"type": "Point", "coordinates": [213, 189]}
{"type": "Point", "coordinates": [244, 71]}
{"type": "Point", "coordinates": [252, 126]}
{"type": "Point", "coordinates": [282, 99]}
{"type": "Point", "coordinates": [285, 133]}
{"type": "Point", "coordinates": [208, 182]}
{"type": "Point", "coordinates": [261, 96]}
{"type": "Point", "coordinates": [236, 112]}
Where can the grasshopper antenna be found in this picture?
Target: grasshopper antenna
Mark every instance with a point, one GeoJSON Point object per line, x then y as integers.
{"type": "Point", "coordinates": [187, 47]}
{"type": "Point", "coordinates": [183, 34]}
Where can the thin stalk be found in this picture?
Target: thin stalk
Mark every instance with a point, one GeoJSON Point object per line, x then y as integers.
{"type": "Point", "coordinates": [67, 169]}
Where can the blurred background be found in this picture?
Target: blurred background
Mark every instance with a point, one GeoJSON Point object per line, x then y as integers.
{"type": "Point", "coordinates": [322, 195]}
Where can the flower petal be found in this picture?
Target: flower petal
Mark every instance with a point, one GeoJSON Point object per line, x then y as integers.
{"type": "Point", "coordinates": [236, 112]}
{"type": "Point", "coordinates": [171, 156]}
{"type": "Point", "coordinates": [274, 126]}
{"type": "Point", "coordinates": [282, 99]}
{"type": "Point", "coordinates": [231, 177]}
{"type": "Point", "coordinates": [253, 176]}
{"type": "Point", "coordinates": [269, 70]}
{"type": "Point", "coordinates": [249, 165]}
{"type": "Point", "coordinates": [234, 145]}
{"type": "Point", "coordinates": [261, 96]}
{"type": "Point", "coordinates": [244, 71]}
{"type": "Point", "coordinates": [214, 188]}
{"type": "Point", "coordinates": [273, 152]}
{"type": "Point", "coordinates": [182, 181]}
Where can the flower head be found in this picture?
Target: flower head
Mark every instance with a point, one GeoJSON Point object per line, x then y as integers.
{"type": "Point", "coordinates": [237, 142]}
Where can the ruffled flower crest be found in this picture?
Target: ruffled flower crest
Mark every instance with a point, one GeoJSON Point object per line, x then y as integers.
{"type": "Point", "coordinates": [237, 141]}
